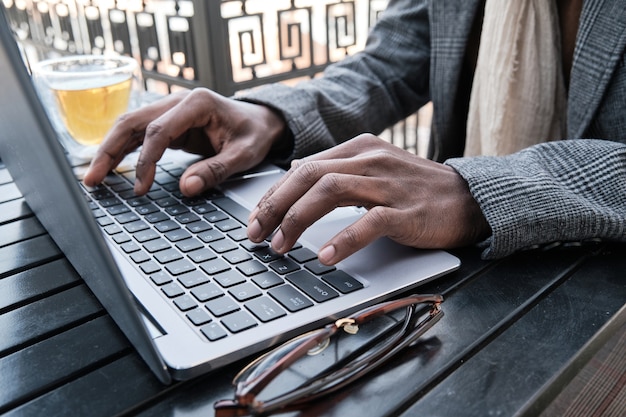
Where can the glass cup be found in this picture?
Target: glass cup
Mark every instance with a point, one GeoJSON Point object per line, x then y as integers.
{"type": "Point", "coordinates": [84, 95]}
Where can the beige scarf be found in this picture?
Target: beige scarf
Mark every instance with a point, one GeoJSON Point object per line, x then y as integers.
{"type": "Point", "coordinates": [518, 95]}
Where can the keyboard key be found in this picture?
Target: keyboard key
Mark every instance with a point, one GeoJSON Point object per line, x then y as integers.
{"type": "Point", "coordinates": [186, 218]}
{"type": "Point", "coordinates": [233, 208]}
{"type": "Point", "coordinates": [161, 278]}
{"type": "Point", "coordinates": [104, 221]}
{"type": "Point", "coordinates": [188, 245]}
{"type": "Point", "coordinates": [121, 238]}
{"type": "Point", "coordinates": [168, 255]}
{"type": "Point", "coordinates": [213, 331]}
{"type": "Point", "coordinates": [267, 280]}
{"type": "Point", "coordinates": [342, 281]}
{"type": "Point", "coordinates": [215, 216]}
{"type": "Point", "coordinates": [180, 267]}
{"type": "Point", "coordinates": [229, 278]}
{"type": "Point", "coordinates": [136, 226]}
{"type": "Point", "coordinates": [192, 279]}
{"type": "Point", "coordinates": [267, 254]}
{"type": "Point", "coordinates": [265, 309]}
{"type": "Point", "coordinates": [157, 194]}
{"type": "Point", "coordinates": [237, 256]}
{"type": "Point", "coordinates": [223, 245]}
{"type": "Point", "coordinates": [139, 257]}
{"type": "Point", "coordinates": [176, 235]}
{"type": "Point", "coordinates": [172, 290]}
{"type": "Point", "coordinates": [252, 247]}
{"type": "Point", "coordinates": [312, 286]}
{"type": "Point", "coordinates": [146, 209]}
{"type": "Point", "coordinates": [119, 209]}
{"type": "Point", "coordinates": [244, 292]}
{"type": "Point", "coordinates": [290, 298]}
{"type": "Point", "coordinates": [239, 321]}
{"type": "Point", "coordinates": [206, 292]}
{"type": "Point", "coordinates": [204, 208]}
{"type": "Point", "coordinates": [156, 245]}
{"type": "Point", "coordinates": [222, 306]}
{"type": "Point", "coordinates": [251, 267]}
{"type": "Point", "coordinates": [185, 302]}
{"type": "Point", "coordinates": [201, 255]}
{"type": "Point", "coordinates": [238, 234]}
{"type": "Point", "coordinates": [199, 316]}
{"type": "Point", "coordinates": [166, 226]}
{"type": "Point", "coordinates": [284, 266]}
{"type": "Point", "coordinates": [149, 267]}
{"type": "Point", "coordinates": [156, 217]}
{"type": "Point", "coordinates": [112, 229]}
{"type": "Point", "coordinates": [228, 225]}
{"type": "Point", "coordinates": [176, 210]}
{"type": "Point", "coordinates": [214, 267]}
{"type": "Point", "coordinates": [166, 202]}
{"type": "Point", "coordinates": [146, 235]}
{"type": "Point", "coordinates": [198, 226]}
{"type": "Point", "coordinates": [211, 236]}
{"type": "Point", "coordinates": [318, 268]}
{"type": "Point", "coordinates": [302, 255]}
{"type": "Point", "coordinates": [130, 247]}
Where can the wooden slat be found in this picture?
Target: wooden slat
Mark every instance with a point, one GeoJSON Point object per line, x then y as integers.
{"type": "Point", "coordinates": [9, 192]}
{"type": "Point", "coordinates": [20, 230]}
{"type": "Point", "coordinates": [27, 253]}
{"type": "Point", "coordinates": [532, 350]}
{"type": "Point", "coordinates": [5, 177]}
{"type": "Point", "coordinates": [36, 320]}
{"type": "Point", "coordinates": [34, 283]}
{"type": "Point", "coordinates": [39, 368]}
{"type": "Point", "coordinates": [116, 387]}
{"type": "Point", "coordinates": [14, 210]}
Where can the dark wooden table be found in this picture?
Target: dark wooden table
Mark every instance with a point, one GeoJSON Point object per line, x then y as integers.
{"type": "Point", "coordinates": [514, 332]}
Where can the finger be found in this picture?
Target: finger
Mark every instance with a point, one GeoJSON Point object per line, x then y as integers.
{"type": "Point", "coordinates": [123, 138]}
{"type": "Point", "coordinates": [191, 112]}
{"type": "Point", "coordinates": [371, 226]}
{"type": "Point", "coordinates": [331, 191]}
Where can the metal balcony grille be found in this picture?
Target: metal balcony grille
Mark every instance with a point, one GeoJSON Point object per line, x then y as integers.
{"type": "Point", "coordinates": [226, 45]}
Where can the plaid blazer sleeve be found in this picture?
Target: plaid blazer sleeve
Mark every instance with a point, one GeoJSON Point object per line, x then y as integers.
{"type": "Point", "coordinates": [568, 190]}
{"type": "Point", "coordinates": [366, 92]}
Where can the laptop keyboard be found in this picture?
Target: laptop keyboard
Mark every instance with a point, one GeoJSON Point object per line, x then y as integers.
{"type": "Point", "coordinates": [196, 251]}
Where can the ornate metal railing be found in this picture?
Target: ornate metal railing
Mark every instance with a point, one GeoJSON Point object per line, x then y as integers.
{"type": "Point", "coordinates": [226, 45]}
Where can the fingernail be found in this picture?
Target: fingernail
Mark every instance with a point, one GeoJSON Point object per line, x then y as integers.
{"type": "Point", "coordinates": [194, 185]}
{"type": "Point", "coordinates": [327, 254]}
{"type": "Point", "coordinates": [278, 241]}
{"type": "Point", "coordinates": [254, 230]}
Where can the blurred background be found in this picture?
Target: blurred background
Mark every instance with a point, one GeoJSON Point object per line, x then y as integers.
{"type": "Point", "coordinates": [226, 45]}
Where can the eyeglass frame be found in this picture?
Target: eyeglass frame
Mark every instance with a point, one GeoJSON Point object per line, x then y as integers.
{"type": "Point", "coordinates": [246, 390]}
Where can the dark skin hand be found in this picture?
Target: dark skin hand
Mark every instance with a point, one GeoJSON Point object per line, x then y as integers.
{"type": "Point", "coordinates": [232, 135]}
{"type": "Point", "coordinates": [412, 200]}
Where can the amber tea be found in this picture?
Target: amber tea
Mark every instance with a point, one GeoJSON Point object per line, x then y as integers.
{"type": "Point", "coordinates": [89, 112]}
{"type": "Point", "coordinates": [86, 94]}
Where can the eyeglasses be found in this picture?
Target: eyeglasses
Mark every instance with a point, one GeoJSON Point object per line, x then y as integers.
{"type": "Point", "coordinates": [403, 323]}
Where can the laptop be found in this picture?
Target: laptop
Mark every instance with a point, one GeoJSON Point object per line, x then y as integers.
{"type": "Point", "coordinates": [178, 276]}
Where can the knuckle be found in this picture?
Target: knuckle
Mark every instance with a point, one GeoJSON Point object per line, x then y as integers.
{"type": "Point", "coordinates": [330, 184]}
{"type": "Point", "coordinates": [217, 170]}
{"type": "Point", "coordinates": [352, 236]}
{"type": "Point", "coordinates": [154, 128]}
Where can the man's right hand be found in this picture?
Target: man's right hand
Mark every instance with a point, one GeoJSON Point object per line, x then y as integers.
{"type": "Point", "coordinates": [232, 135]}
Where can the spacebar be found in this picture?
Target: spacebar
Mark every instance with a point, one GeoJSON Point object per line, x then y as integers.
{"type": "Point", "coordinates": [233, 208]}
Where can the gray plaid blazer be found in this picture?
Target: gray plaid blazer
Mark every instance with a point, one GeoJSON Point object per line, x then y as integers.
{"type": "Point", "coordinates": [567, 190]}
